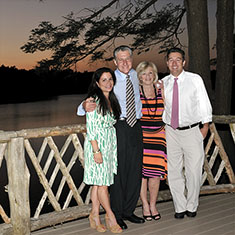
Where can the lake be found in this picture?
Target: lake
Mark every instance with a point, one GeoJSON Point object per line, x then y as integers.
{"type": "Point", "coordinates": [47, 113]}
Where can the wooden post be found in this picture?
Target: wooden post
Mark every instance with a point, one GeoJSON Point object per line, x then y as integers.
{"type": "Point", "coordinates": [18, 187]}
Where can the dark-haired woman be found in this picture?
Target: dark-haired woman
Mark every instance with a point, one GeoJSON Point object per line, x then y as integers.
{"type": "Point", "coordinates": [100, 147]}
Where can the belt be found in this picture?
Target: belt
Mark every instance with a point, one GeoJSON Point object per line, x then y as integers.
{"type": "Point", "coordinates": [187, 127]}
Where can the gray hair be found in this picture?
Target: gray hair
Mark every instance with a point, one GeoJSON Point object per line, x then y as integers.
{"type": "Point", "coordinates": [121, 48]}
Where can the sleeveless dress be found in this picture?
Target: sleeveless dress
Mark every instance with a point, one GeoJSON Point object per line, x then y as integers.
{"type": "Point", "coordinates": [154, 141]}
{"type": "Point", "coordinates": [101, 129]}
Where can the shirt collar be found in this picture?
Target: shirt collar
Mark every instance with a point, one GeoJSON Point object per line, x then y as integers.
{"type": "Point", "coordinates": [180, 77]}
{"type": "Point", "coordinates": [123, 75]}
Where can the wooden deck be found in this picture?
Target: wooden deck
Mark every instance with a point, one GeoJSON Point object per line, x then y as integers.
{"type": "Point", "coordinates": [216, 215]}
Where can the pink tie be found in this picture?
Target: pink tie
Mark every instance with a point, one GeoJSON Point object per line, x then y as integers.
{"type": "Point", "coordinates": [175, 106]}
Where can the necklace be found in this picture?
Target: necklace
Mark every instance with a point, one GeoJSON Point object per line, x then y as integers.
{"type": "Point", "coordinates": [148, 105]}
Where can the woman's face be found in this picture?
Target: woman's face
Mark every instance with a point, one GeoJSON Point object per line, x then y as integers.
{"type": "Point", "coordinates": [148, 76]}
{"type": "Point", "coordinates": [106, 82]}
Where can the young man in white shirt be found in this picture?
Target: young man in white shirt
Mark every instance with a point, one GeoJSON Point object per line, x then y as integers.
{"type": "Point", "coordinates": [185, 150]}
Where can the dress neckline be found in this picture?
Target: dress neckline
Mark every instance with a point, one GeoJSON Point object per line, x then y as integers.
{"type": "Point", "coordinates": [143, 94]}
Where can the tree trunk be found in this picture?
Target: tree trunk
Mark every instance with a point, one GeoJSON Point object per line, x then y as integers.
{"type": "Point", "coordinates": [223, 85]}
{"type": "Point", "coordinates": [224, 46]}
{"type": "Point", "coordinates": [198, 40]}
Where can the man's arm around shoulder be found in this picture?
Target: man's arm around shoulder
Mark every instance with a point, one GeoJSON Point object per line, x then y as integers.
{"type": "Point", "coordinates": [87, 105]}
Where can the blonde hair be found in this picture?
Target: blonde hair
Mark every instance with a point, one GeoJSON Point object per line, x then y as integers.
{"type": "Point", "coordinates": [142, 66]}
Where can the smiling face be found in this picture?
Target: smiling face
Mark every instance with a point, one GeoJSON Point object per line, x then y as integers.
{"type": "Point", "coordinates": [147, 77]}
{"type": "Point", "coordinates": [175, 63]}
{"type": "Point", "coordinates": [123, 61]}
{"type": "Point", "coordinates": [105, 83]}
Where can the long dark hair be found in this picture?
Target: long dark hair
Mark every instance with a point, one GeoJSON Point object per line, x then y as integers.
{"type": "Point", "coordinates": [96, 92]}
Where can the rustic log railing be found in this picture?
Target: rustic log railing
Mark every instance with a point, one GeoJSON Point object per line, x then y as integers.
{"type": "Point", "coordinates": [56, 172]}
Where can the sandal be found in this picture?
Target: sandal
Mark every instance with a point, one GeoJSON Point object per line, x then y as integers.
{"type": "Point", "coordinates": [99, 228]}
{"type": "Point", "coordinates": [147, 217]}
{"type": "Point", "coordinates": [114, 228]}
{"type": "Point", "coordinates": [156, 217]}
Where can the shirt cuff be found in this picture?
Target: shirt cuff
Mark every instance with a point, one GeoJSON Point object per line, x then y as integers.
{"type": "Point", "coordinates": [81, 111]}
{"type": "Point", "coordinates": [206, 120]}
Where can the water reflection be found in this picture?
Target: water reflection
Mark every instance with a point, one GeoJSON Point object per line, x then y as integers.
{"type": "Point", "coordinates": [56, 112]}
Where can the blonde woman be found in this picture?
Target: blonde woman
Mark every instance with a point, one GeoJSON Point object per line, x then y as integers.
{"type": "Point", "coordinates": [154, 154]}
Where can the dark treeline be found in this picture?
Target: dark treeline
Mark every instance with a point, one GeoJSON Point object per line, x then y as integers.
{"type": "Point", "coordinates": [19, 85]}
{"type": "Point", "coordinates": [22, 85]}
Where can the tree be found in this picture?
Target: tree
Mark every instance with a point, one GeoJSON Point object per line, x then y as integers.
{"type": "Point", "coordinates": [94, 34]}
{"type": "Point", "coordinates": [224, 46]}
{"type": "Point", "coordinates": [198, 40]}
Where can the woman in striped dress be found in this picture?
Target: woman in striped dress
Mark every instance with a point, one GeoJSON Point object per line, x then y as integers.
{"type": "Point", "coordinates": [154, 153]}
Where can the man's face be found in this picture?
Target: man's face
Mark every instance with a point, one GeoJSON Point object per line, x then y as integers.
{"type": "Point", "coordinates": [175, 63]}
{"type": "Point", "coordinates": [123, 61]}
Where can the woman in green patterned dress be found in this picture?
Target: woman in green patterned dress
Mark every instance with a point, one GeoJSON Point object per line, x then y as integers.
{"type": "Point", "coordinates": [100, 147]}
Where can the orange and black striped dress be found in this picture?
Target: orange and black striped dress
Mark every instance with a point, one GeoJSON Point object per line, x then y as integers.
{"type": "Point", "coordinates": [154, 155]}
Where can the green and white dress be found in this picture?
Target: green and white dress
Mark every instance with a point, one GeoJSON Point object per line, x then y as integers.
{"type": "Point", "coordinates": [101, 129]}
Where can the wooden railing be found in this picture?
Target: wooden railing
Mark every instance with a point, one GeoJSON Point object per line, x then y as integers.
{"type": "Point", "coordinates": [54, 163]}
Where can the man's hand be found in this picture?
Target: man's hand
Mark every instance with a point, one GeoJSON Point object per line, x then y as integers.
{"type": "Point", "coordinates": [159, 84]}
{"type": "Point", "coordinates": [89, 104]}
{"type": "Point", "coordinates": [204, 130]}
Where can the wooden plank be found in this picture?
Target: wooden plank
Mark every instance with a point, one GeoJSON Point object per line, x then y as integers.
{"type": "Point", "coordinates": [65, 172]}
{"type": "Point", "coordinates": [18, 187]}
{"type": "Point", "coordinates": [221, 188]}
{"type": "Point", "coordinates": [2, 151]}
{"type": "Point", "coordinates": [209, 217]}
{"type": "Point", "coordinates": [4, 216]}
{"type": "Point", "coordinates": [223, 154]}
{"type": "Point", "coordinates": [6, 136]}
{"type": "Point", "coordinates": [42, 176]}
{"type": "Point", "coordinates": [232, 129]}
{"type": "Point", "coordinates": [223, 119]}
{"type": "Point", "coordinates": [208, 173]}
{"type": "Point", "coordinates": [51, 219]}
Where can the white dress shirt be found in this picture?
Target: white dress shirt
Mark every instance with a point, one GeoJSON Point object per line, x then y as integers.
{"type": "Point", "coordinates": [194, 103]}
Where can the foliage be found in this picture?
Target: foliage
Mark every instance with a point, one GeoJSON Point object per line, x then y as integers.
{"type": "Point", "coordinates": [93, 35]}
{"type": "Point", "coordinates": [38, 84]}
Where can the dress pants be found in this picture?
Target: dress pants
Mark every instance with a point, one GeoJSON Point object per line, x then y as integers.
{"type": "Point", "coordinates": [185, 153]}
{"type": "Point", "coordinates": [125, 191]}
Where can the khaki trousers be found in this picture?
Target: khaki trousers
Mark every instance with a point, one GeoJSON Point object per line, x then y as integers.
{"type": "Point", "coordinates": [185, 153]}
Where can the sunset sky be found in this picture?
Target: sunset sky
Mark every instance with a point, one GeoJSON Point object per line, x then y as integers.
{"type": "Point", "coordinates": [19, 17]}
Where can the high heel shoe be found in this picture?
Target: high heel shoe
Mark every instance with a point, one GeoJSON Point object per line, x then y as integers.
{"type": "Point", "coordinates": [99, 228]}
{"type": "Point", "coordinates": [115, 228]}
{"type": "Point", "coordinates": [146, 217]}
{"type": "Point", "coordinates": [156, 217]}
